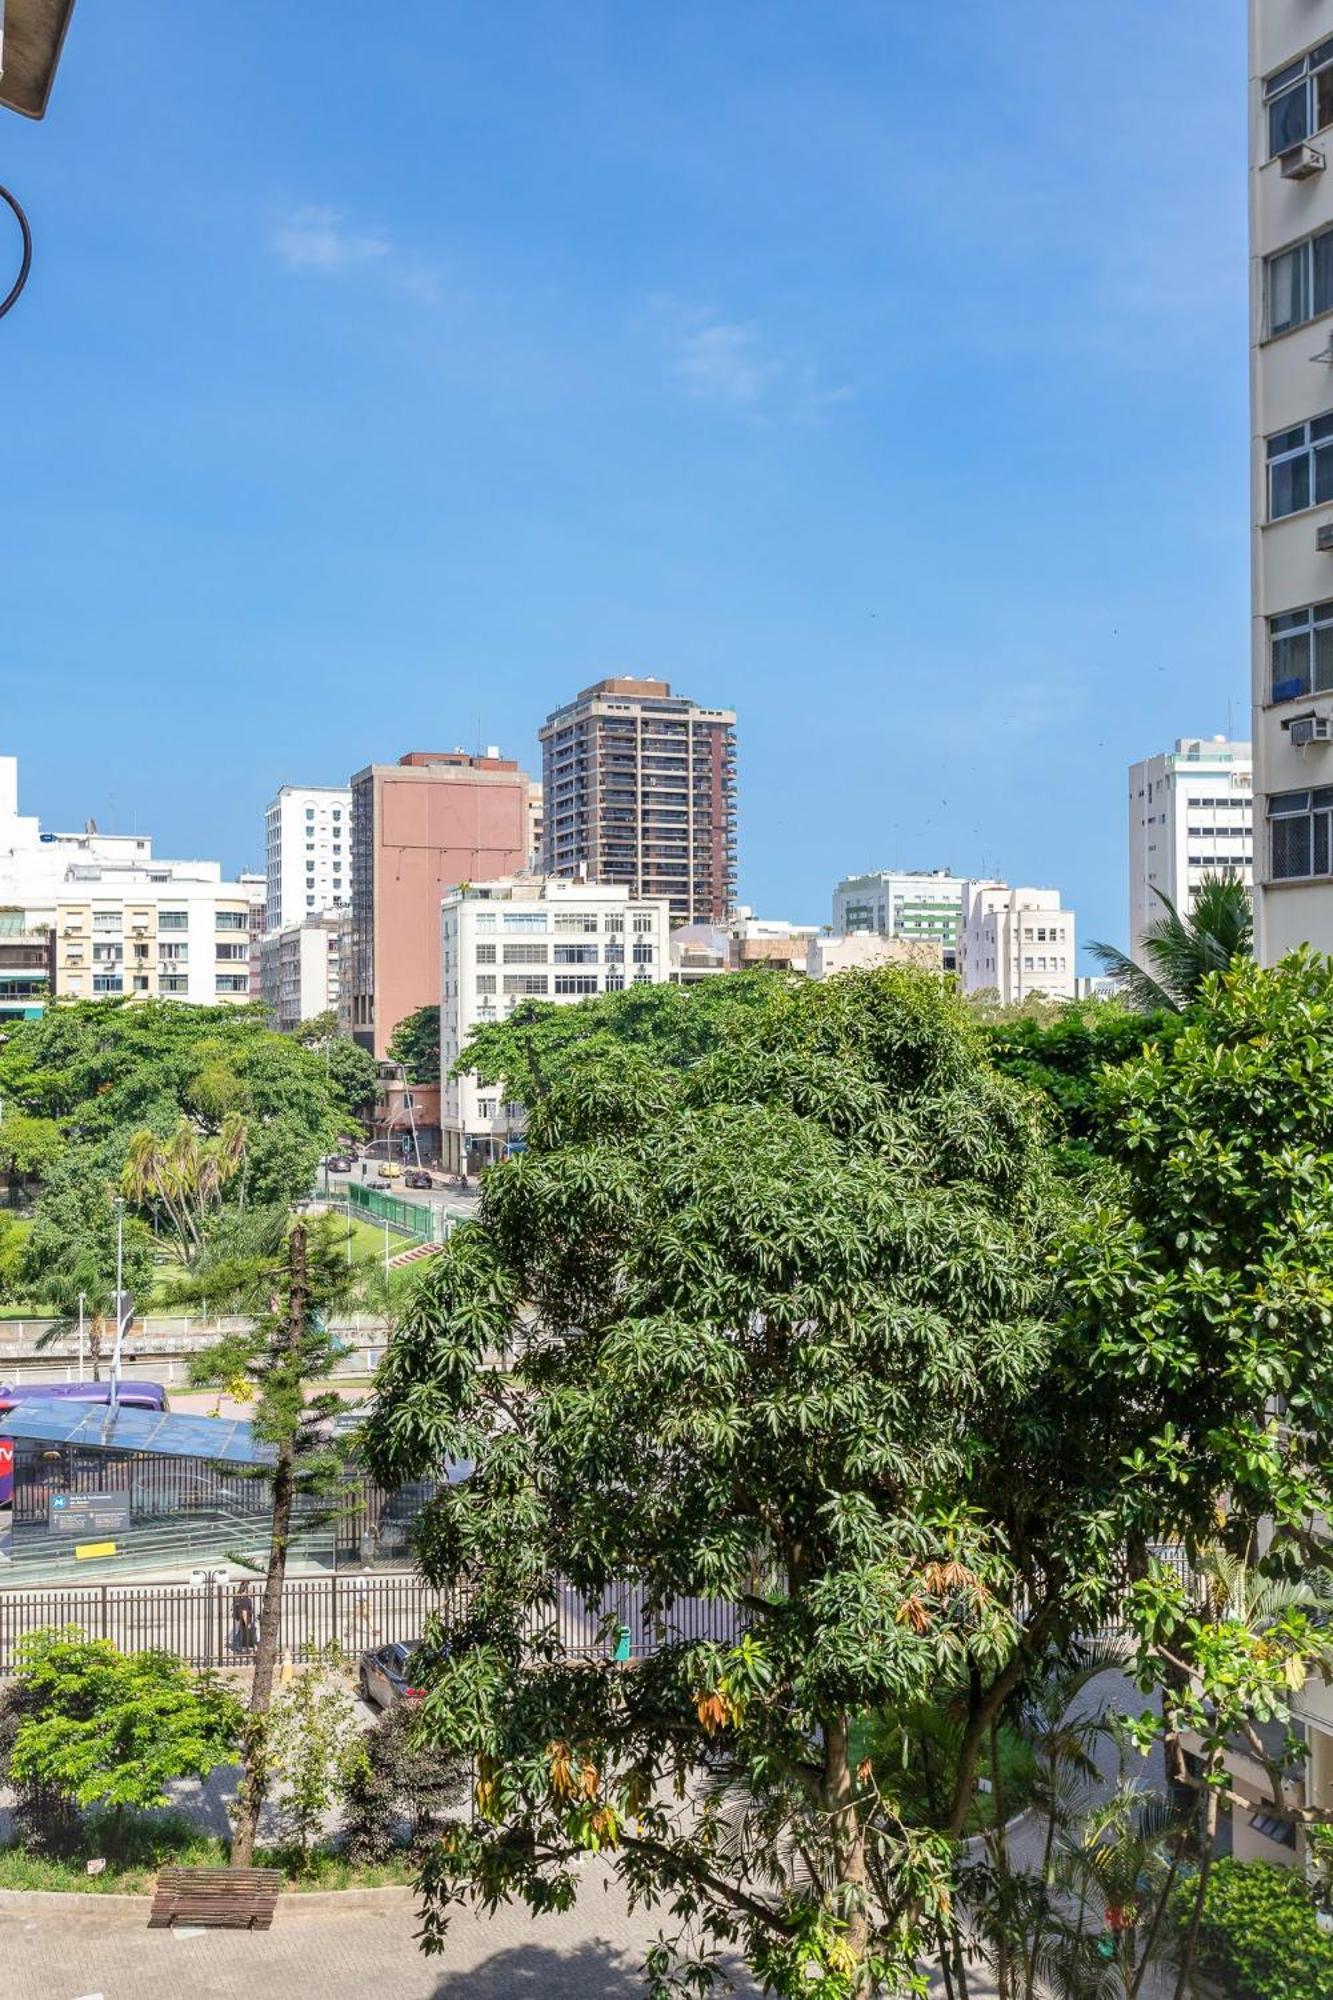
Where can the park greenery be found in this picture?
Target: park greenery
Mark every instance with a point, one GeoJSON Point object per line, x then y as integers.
{"type": "Point", "coordinates": [1183, 951]}
{"type": "Point", "coordinates": [187, 1113]}
{"type": "Point", "coordinates": [415, 1043]}
{"type": "Point", "coordinates": [929, 1343]}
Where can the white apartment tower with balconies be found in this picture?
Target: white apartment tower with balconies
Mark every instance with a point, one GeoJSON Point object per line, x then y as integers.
{"type": "Point", "coordinates": [307, 853]}
{"type": "Point", "coordinates": [1291, 379]}
{"type": "Point", "coordinates": [1017, 943]}
{"type": "Point", "coordinates": [1191, 814]}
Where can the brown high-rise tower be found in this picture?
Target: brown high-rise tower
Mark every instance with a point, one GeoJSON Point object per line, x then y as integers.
{"type": "Point", "coordinates": [640, 787]}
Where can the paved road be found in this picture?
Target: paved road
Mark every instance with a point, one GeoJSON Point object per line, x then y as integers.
{"type": "Point", "coordinates": [594, 1952]}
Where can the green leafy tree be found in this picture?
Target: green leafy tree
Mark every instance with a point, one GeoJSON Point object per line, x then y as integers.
{"type": "Point", "coordinates": [351, 1069]}
{"type": "Point", "coordinates": [415, 1043]}
{"type": "Point", "coordinates": [1064, 1053]}
{"type": "Point", "coordinates": [762, 1303]}
{"type": "Point", "coordinates": [183, 1179]}
{"type": "Point", "coordinates": [316, 1748]}
{"type": "Point", "coordinates": [69, 1254]}
{"type": "Point", "coordinates": [290, 1281]}
{"type": "Point", "coordinates": [29, 1147]}
{"type": "Point", "coordinates": [113, 1729]}
{"type": "Point", "coordinates": [1183, 952]}
{"type": "Point", "coordinates": [404, 1781]}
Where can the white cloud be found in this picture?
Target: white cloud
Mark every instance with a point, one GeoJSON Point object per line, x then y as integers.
{"type": "Point", "coordinates": [318, 239]}
{"type": "Point", "coordinates": [731, 364]}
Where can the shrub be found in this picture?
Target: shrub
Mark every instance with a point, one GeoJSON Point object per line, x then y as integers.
{"type": "Point", "coordinates": [401, 1794]}
{"type": "Point", "coordinates": [1259, 1935]}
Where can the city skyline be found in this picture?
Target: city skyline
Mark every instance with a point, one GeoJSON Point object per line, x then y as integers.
{"type": "Point", "coordinates": [391, 411]}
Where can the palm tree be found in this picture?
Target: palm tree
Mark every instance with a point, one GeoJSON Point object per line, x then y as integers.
{"type": "Point", "coordinates": [1183, 951]}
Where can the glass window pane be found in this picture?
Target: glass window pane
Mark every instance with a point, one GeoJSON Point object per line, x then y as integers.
{"type": "Point", "coordinates": [1320, 859]}
{"type": "Point", "coordinates": [1289, 486]}
{"type": "Point", "coordinates": [1291, 666]}
{"type": "Point", "coordinates": [1323, 473]}
{"type": "Point", "coordinates": [1323, 91]}
{"type": "Point", "coordinates": [1323, 659]}
{"type": "Point", "coordinates": [1288, 802]}
{"type": "Point", "coordinates": [1287, 303]}
{"type": "Point", "coordinates": [1321, 251]}
{"type": "Point", "coordinates": [1286, 441]}
{"type": "Point", "coordinates": [1291, 847]}
{"type": "Point", "coordinates": [1321, 427]}
{"type": "Point", "coordinates": [1288, 118]}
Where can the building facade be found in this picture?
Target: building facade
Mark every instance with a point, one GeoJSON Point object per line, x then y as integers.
{"type": "Point", "coordinates": [1191, 814]}
{"type": "Point", "coordinates": [27, 967]}
{"type": "Point", "coordinates": [307, 853]}
{"type": "Point", "coordinates": [299, 970]}
{"type": "Point", "coordinates": [420, 828]}
{"type": "Point", "coordinates": [639, 789]}
{"type": "Point", "coordinates": [1017, 943]}
{"type": "Point", "coordinates": [1291, 380]}
{"type": "Point", "coordinates": [123, 920]}
{"type": "Point", "coordinates": [862, 951]}
{"type": "Point", "coordinates": [530, 938]}
{"type": "Point", "coordinates": [925, 905]}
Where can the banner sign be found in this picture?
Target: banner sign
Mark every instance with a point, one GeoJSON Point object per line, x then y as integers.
{"type": "Point", "coordinates": [91, 1516]}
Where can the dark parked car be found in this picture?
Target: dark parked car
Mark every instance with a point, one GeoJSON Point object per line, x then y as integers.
{"type": "Point", "coordinates": [337, 1164]}
{"type": "Point", "coordinates": [384, 1677]}
{"type": "Point", "coordinates": [418, 1178]}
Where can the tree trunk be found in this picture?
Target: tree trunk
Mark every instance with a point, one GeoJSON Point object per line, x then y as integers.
{"type": "Point", "coordinates": [254, 1781]}
{"type": "Point", "coordinates": [848, 1839]}
{"type": "Point", "coordinates": [1003, 1978]}
{"type": "Point", "coordinates": [1187, 1956]}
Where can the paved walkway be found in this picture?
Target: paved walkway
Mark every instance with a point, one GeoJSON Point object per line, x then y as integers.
{"type": "Point", "coordinates": [595, 1952]}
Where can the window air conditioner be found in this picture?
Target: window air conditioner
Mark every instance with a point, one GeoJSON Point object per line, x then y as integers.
{"type": "Point", "coordinates": [1300, 163]}
{"type": "Point", "coordinates": [1323, 538]}
{"type": "Point", "coordinates": [1308, 729]}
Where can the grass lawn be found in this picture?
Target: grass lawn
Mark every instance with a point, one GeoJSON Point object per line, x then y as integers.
{"type": "Point", "coordinates": [169, 1840]}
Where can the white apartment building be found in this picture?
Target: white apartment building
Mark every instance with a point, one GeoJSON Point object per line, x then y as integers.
{"type": "Point", "coordinates": [924, 904]}
{"type": "Point", "coordinates": [1017, 943]}
{"type": "Point", "coordinates": [530, 938]}
{"type": "Point", "coordinates": [125, 921]}
{"type": "Point", "coordinates": [307, 853]}
{"type": "Point", "coordinates": [864, 950]}
{"type": "Point", "coordinates": [299, 970]}
{"type": "Point", "coordinates": [1191, 814]}
{"type": "Point", "coordinates": [1291, 385]}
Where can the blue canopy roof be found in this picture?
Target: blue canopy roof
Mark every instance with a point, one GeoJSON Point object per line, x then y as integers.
{"type": "Point", "coordinates": [218, 1439]}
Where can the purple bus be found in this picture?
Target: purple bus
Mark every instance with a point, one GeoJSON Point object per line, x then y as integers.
{"type": "Point", "coordinates": [130, 1395]}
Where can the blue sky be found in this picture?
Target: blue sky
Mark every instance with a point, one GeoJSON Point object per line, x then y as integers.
{"type": "Point", "coordinates": [876, 368]}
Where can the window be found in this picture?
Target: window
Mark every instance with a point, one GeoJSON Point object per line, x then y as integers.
{"type": "Point", "coordinates": [337, 812]}
{"type": "Point", "coordinates": [106, 954]}
{"type": "Point", "coordinates": [485, 954]}
{"type": "Point", "coordinates": [175, 953]}
{"type": "Point", "coordinates": [233, 951]}
{"type": "Point", "coordinates": [525, 954]}
{"type": "Point", "coordinates": [173, 920]}
{"type": "Point", "coordinates": [1300, 468]}
{"type": "Point", "coordinates": [485, 982]}
{"type": "Point", "coordinates": [1300, 99]}
{"type": "Point", "coordinates": [1300, 823]}
{"type": "Point", "coordinates": [1299, 283]}
{"type": "Point", "coordinates": [233, 920]}
{"type": "Point", "coordinates": [1301, 655]}
{"type": "Point", "coordinates": [576, 920]}
{"type": "Point", "coordinates": [575, 954]}
{"type": "Point", "coordinates": [485, 1107]}
{"type": "Point", "coordinates": [576, 982]}
{"type": "Point", "coordinates": [615, 923]}
{"type": "Point", "coordinates": [173, 982]}
{"type": "Point", "coordinates": [615, 982]}
{"type": "Point", "coordinates": [643, 922]}
{"type": "Point", "coordinates": [485, 920]}
{"type": "Point", "coordinates": [227, 982]}
{"type": "Point", "coordinates": [524, 920]}
{"type": "Point", "coordinates": [310, 812]}
{"type": "Point", "coordinates": [106, 982]}
{"type": "Point", "coordinates": [643, 952]}
{"type": "Point", "coordinates": [529, 983]}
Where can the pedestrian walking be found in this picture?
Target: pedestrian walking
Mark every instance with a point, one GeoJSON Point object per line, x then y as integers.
{"type": "Point", "coordinates": [243, 1634]}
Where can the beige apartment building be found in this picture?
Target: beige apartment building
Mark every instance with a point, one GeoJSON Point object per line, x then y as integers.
{"type": "Point", "coordinates": [639, 788]}
{"type": "Point", "coordinates": [1291, 377]}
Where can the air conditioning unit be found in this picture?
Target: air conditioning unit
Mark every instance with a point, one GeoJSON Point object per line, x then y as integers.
{"type": "Point", "coordinates": [1301, 163]}
{"type": "Point", "coordinates": [1323, 538]}
{"type": "Point", "coordinates": [1308, 729]}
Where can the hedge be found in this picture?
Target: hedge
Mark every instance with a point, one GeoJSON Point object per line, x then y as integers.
{"type": "Point", "coordinates": [1259, 1936]}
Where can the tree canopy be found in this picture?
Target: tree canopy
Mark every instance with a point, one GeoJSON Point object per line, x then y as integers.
{"type": "Point", "coordinates": [415, 1043]}
{"type": "Point", "coordinates": [809, 1324]}
{"type": "Point", "coordinates": [1183, 951]}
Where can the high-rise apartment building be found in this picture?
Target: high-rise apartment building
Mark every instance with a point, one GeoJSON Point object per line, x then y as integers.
{"type": "Point", "coordinates": [299, 969]}
{"type": "Point", "coordinates": [924, 906]}
{"type": "Point", "coordinates": [1017, 944]}
{"type": "Point", "coordinates": [530, 938]}
{"type": "Point", "coordinates": [1291, 381]}
{"type": "Point", "coordinates": [307, 853]}
{"type": "Point", "coordinates": [639, 788]}
{"type": "Point", "coordinates": [1191, 814]}
{"type": "Point", "coordinates": [420, 828]}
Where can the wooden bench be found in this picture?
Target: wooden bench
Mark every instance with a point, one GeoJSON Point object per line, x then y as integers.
{"type": "Point", "coordinates": [234, 1898]}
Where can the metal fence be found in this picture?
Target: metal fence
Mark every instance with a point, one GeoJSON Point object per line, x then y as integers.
{"type": "Point", "coordinates": [428, 1222]}
{"type": "Point", "coordinates": [357, 1612]}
